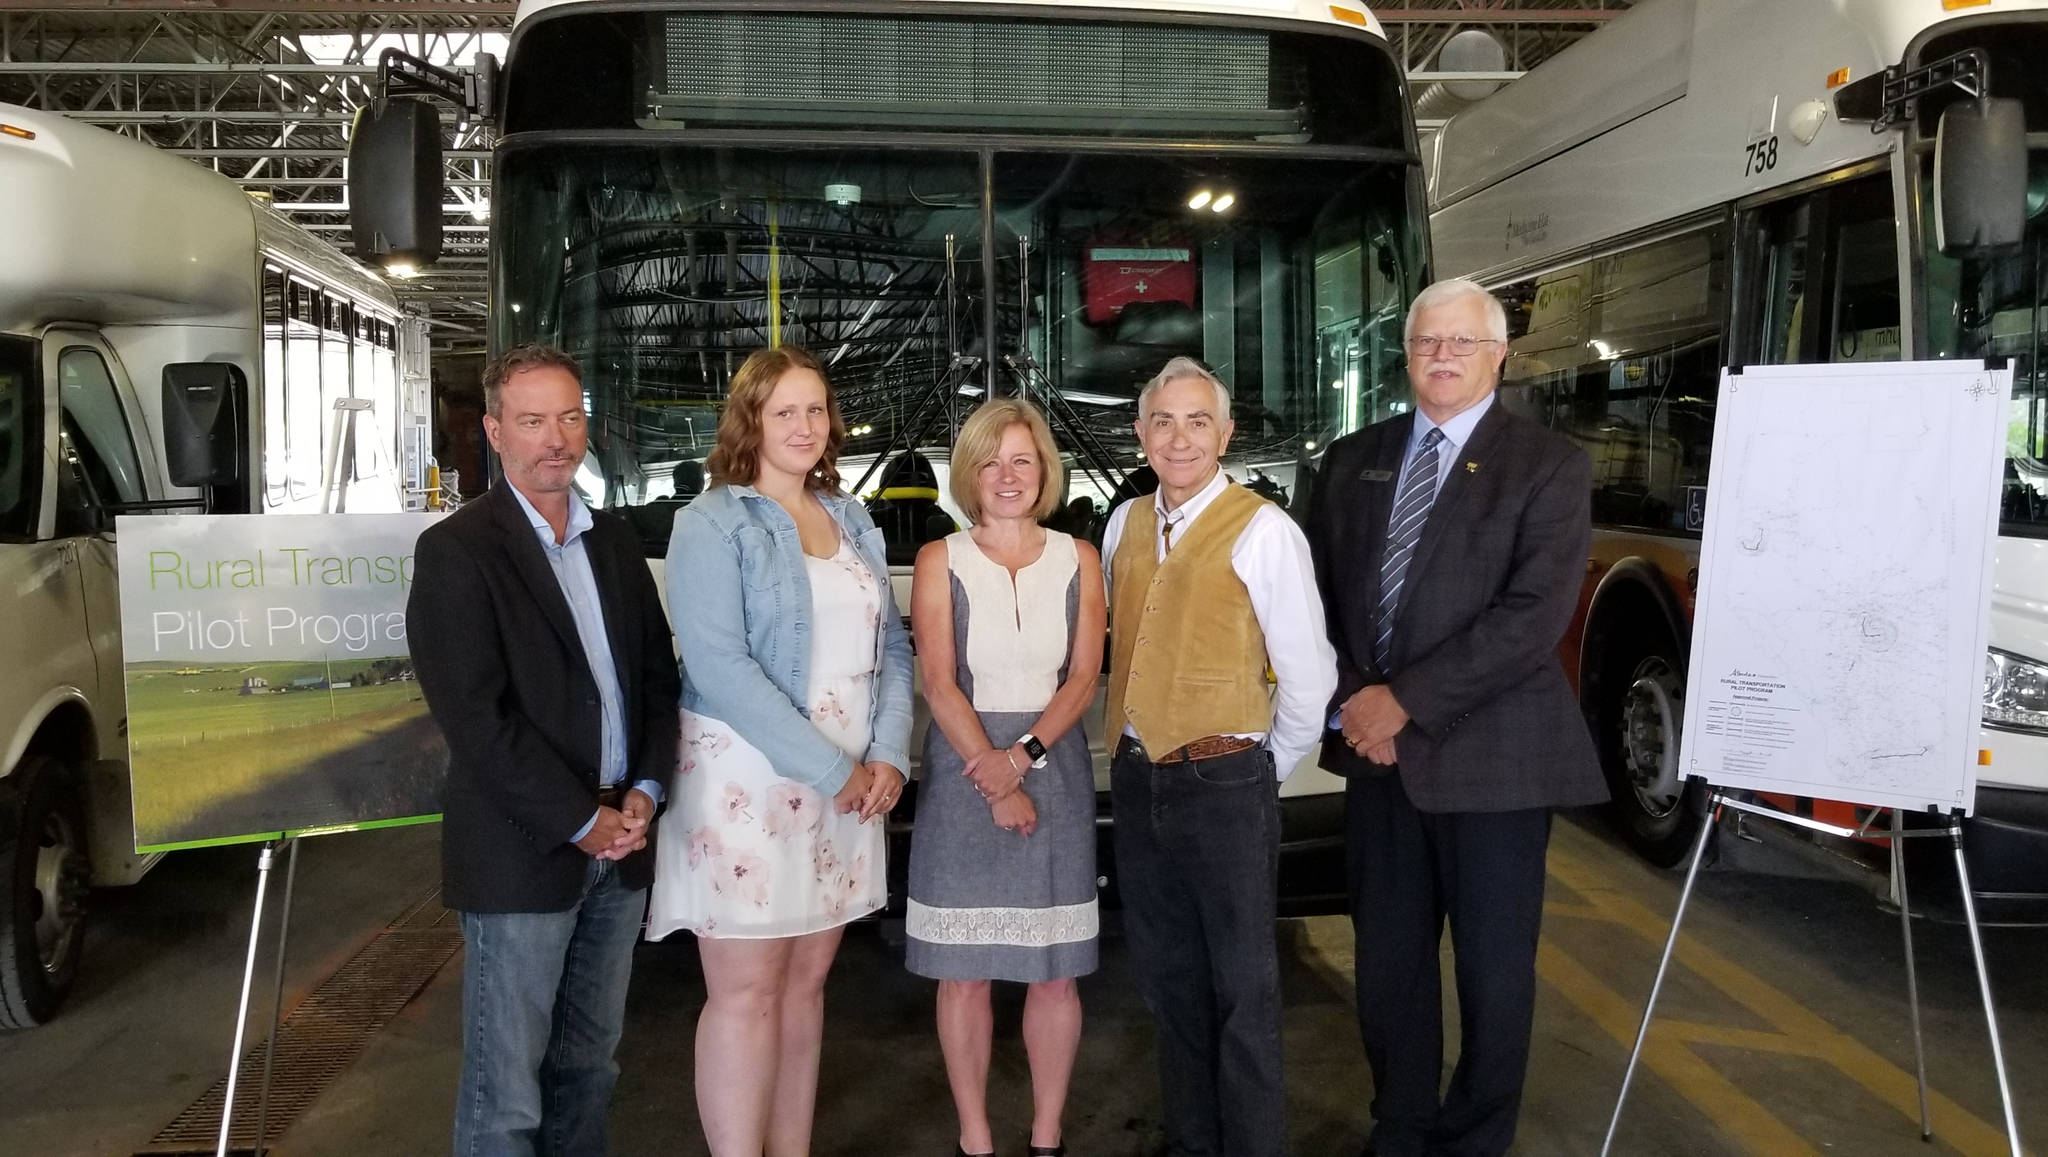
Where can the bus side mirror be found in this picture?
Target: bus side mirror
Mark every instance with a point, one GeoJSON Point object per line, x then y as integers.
{"type": "Point", "coordinates": [204, 407]}
{"type": "Point", "coordinates": [394, 183]}
{"type": "Point", "coordinates": [1980, 176]}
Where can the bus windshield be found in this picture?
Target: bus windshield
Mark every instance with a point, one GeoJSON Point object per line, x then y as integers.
{"type": "Point", "coordinates": [1997, 305]}
{"type": "Point", "coordinates": [1091, 199]}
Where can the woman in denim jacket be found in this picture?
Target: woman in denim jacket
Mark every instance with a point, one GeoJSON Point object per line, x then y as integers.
{"type": "Point", "coordinates": [795, 727]}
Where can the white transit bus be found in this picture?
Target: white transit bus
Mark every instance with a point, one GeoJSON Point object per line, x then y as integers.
{"type": "Point", "coordinates": [1680, 192]}
{"type": "Point", "coordinates": [948, 198]}
{"type": "Point", "coordinates": [166, 344]}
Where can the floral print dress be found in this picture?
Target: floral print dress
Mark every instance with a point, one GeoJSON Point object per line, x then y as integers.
{"type": "Point", "coordinates": [745, 853]}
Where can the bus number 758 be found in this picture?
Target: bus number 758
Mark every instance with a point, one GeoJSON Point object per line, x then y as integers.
{"type": "Point", "coordinates": [1762, 156]}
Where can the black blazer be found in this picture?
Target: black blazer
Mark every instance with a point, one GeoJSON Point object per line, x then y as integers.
{"type": "Point", "coordinates": [1489, 594]}
{"type": "Point", "coordinates": [505, 676]}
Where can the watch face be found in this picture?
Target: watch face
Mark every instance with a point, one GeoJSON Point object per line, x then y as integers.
{"type": "Point", "coordinates": [1033, 748]}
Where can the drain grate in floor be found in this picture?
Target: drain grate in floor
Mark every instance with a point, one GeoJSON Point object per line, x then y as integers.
{"type": "Point", "coordinates": [323, 1036]}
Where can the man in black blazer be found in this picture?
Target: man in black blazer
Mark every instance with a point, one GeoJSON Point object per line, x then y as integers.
{"type": "Point", "coordinates": [541, 646]}
{"type": "Point", "coordinates": [1450, 543]}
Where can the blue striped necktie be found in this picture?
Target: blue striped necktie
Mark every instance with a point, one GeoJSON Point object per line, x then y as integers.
{"type": "Point", "coordinates": [1404, 530]}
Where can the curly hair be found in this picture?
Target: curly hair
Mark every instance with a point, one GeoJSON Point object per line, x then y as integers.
{"type": "Point", "coordinates": [736, 459]}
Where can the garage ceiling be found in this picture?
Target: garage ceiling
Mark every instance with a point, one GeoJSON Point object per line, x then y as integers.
{"type": "Point", "coordinates": [262, 91]}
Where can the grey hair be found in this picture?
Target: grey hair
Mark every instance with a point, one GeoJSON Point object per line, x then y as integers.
{"type": "Point", "coordinates": [1450, 290]}
{"type": "Point", "coordinates": [1173, 371]}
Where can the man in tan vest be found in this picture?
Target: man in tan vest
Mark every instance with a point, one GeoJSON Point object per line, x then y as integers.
{"type": "Point", "coordinates": [1210, 588]}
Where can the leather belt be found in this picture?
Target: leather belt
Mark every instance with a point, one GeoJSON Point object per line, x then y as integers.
{"type": "Point", "coordinates": [612, 795]}
{"type": "Point", "coordinates": [1208, 747]}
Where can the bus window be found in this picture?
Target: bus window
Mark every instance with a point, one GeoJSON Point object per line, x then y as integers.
{"type": "Point", "coordinates": [93, 409]}
{"type": "Point", "coordinates": [20, 443]}
{"type": "Point", "coordinates": [1842, 243]}
{"type": "Point", "coordinates": [304, 413]}
{"type": "Point", "coordinates": [275, 462]}
{"type": "Point", "coordinates": [1623, 354]}
{"type": "Point", "coordinates": [1995, 304]}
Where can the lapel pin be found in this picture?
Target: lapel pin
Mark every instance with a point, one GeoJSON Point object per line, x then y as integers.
{"type": "Point", "coordinates": [1471, 467]}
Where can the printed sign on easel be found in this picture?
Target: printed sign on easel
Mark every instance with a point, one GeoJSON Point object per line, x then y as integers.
{"type": "Point", "coordinates": [270, 685]}
{"type": "Point", "coordinates": [1845, 580]}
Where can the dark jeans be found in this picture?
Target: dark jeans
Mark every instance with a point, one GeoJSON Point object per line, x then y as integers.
{"type": "Point", "coordinates": [1410, 870]}
{"type": "Point", "coordinates": [543, 1004]}
{"type": "Point", "coordinates": [1198, 855]}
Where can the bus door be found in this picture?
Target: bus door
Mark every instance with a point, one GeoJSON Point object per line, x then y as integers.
{"type": "Point", "coordinates": [98, 468]}
{"type": "Point", "coordinates": [1818, 282]}
{"type": "Point", "coordinates": [1819, 277]}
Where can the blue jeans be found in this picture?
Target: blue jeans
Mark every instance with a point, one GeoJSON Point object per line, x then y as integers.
{"type": "Point", "coordinates": [1198, 862]}
{"type": "Point", "coordinates": [543, 1003]}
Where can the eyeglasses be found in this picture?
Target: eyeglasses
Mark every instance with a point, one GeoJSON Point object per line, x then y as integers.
{"type": "Point", "coordinates": [1424, 344]}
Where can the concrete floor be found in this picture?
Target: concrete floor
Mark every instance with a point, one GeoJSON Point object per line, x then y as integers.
{"type": "Point", "coordinates": [1783, 1031]}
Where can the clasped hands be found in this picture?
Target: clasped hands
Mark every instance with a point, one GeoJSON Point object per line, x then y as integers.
{"type": "Point", "coordinates": [871, 790]}
{"type": "Point", "coordinates": [621, 831]}
{"type": "Point", "coordinates": [1370, 720]}
{"type": "Point", "coordinates": [998, 774]}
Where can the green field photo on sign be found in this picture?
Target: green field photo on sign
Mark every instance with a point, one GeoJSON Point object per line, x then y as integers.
{"type": "Point", "coordinates": [245, 750]}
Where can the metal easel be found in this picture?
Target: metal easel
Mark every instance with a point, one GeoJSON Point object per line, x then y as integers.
{"type": "Point", "coordinates": [1952, 829]}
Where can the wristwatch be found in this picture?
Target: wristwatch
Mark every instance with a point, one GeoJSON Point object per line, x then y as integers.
{"type": "Point", "coordinates": [1033, 748]}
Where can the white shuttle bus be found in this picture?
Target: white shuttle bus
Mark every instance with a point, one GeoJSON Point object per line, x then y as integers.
{"type": "Point", "coordinates": [1750, 182]}
{"type": "Point", "coordinates": [166, 344]}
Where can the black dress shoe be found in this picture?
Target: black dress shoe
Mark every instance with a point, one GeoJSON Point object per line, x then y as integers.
{"type": "Point", "coordinates": [1048, 1150]}
{"type": "Point", "coordinates": [962, 1152]}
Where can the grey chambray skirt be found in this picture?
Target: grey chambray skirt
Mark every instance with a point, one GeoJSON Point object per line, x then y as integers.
{"type": "Point", "coordinates": [986, 904]}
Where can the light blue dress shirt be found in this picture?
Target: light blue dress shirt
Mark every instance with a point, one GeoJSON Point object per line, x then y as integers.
{"type": "Point", "coordinates": [571, 564]}
{"type": "Point", "coordinates": [1457, 432]}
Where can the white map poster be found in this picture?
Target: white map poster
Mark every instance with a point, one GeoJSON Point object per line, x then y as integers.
{"type": "Point", "coordinates": [1845, 575]}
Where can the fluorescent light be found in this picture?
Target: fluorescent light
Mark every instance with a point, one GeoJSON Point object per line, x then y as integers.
{"type": "Point", "coordinates": [1200, 199]}
{"type": "Point", "coordinates": [1091, 398]}
{"type": "Point", "coordinates": [1222, 204]}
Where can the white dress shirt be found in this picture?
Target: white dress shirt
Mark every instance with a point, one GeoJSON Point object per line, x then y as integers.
{"type": "Point", "coordinates": [1271, 559]}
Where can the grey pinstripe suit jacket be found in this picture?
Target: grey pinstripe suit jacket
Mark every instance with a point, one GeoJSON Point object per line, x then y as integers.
{"type": "Point", "coordinates": [1495, 580]}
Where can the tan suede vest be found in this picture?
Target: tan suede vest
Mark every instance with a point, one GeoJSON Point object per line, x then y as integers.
{"type": "Point", "coordinates": [1187, 657]}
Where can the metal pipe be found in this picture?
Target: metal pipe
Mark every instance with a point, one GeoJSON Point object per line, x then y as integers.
{"type": "Point", "coordinates": [284, 928]}
{"type": "Point", "coordinates": [1699, 853]}
{"type": "Point", "coordinates": [2012, 1124]}
{"type": "Point", "coordinates": [988, 274]}
{"type": "Point", "coordinates": [1912, 979]}
{"type": "Point", "coordinates": [264, 860]}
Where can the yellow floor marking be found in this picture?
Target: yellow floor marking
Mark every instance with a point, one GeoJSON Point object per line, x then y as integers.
{"type": "Point", "coordinates": [1952, 1123]}
{"type": "Point", "coordinates": [1566, 908]}
{"type": "Point", "coordinates": [1745, 1121]}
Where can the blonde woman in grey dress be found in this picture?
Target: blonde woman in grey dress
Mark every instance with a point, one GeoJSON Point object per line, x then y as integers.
{"type": "Point", "coordinates": [1009, 621]}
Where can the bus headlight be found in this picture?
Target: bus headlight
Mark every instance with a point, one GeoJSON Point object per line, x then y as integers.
{"type": "Point", "coordinates": [2015, 692]}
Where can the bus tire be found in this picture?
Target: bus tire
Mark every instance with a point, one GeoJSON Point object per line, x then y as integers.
{"type": "Point", "coordinates": [1638, 709]}
{"type": "Point", "coordinates": [48, 873]}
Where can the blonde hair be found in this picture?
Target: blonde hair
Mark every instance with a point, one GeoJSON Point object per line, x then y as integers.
{"type": "Point", "coordinates": [981, 436]}
{"type": "Point", "coordinates": [736, 458]}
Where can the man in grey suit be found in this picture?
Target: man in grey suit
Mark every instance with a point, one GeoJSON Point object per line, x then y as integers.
{"type": "Point", "coordinates": [1449, 544]}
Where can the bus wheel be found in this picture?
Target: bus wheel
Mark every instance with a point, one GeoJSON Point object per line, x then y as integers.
{"type": "Point", "coordinates": [1642, 707]}
{"type": "Point", "coordinates": [44, 864]}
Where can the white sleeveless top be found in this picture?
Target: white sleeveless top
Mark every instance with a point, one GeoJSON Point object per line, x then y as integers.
{"type": "Point", "coordinates": [1016, 631]}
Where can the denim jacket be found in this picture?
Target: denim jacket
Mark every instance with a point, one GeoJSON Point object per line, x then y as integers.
{"type": "Point", "coordinates": [740, 600]}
